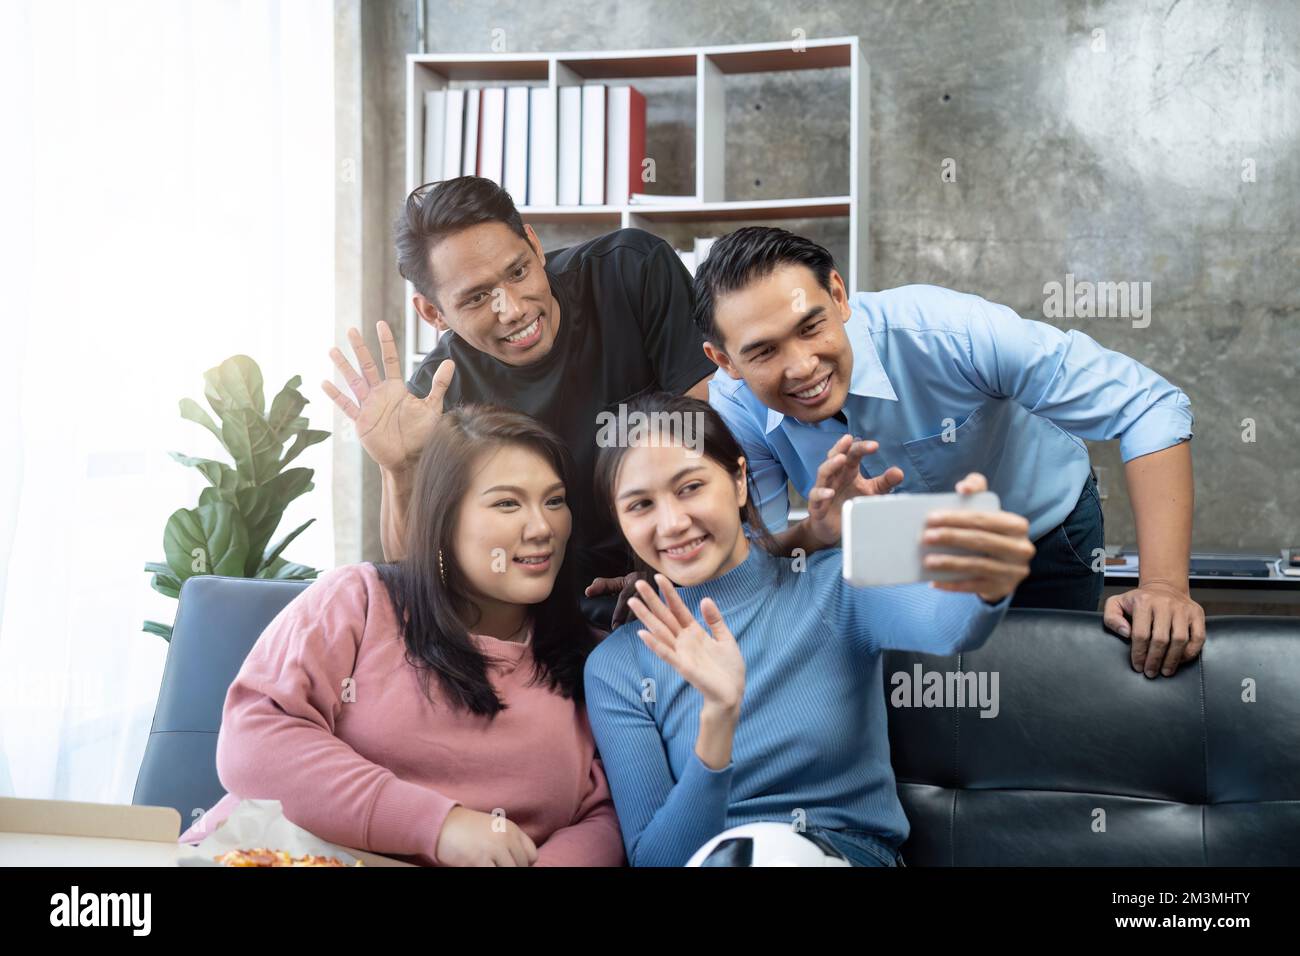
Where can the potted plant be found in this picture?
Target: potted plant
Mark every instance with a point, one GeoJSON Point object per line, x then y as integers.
{"type": "Point", "coordinates": [230, 531]}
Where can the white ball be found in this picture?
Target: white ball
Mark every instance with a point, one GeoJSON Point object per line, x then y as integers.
{"type": "Point", "coordinates": [764, 844]}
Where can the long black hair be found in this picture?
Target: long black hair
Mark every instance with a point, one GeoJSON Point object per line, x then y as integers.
{"type": "Point", "coordinates": [717, 442]}
{"type": "Point", "coordinates": [437, 617]}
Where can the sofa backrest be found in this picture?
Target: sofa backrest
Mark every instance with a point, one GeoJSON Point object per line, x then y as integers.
{"type": "Point", "coordinates": [1089, 763]}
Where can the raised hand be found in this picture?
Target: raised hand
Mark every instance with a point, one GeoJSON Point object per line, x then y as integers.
{"type": "Point", "coordinates": [392, 424]}
{"type": "Point", "coordinates": [709, 662]}
{"type": "Point", "coordinates": [839, 479]}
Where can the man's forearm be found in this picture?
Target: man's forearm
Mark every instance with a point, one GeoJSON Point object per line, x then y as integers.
{"type": "Point", "coordinates": [394, 499]}
{"type": "Point", "coordinates": [799, 536]}
{"type": "Point", "coordinates": [1160, 488]}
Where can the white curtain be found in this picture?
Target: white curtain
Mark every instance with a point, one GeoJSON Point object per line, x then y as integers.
{"type": "Point", "coordinates": [168, 174]}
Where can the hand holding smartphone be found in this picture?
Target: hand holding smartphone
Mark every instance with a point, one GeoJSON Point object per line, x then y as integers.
{"type": "Point", "coordinates": [960, 542]}
{"type": "Point", "coordinates": [882, 536]}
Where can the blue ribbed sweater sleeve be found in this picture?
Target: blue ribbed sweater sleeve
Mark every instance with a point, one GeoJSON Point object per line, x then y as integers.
{"type": "Point", "coordinates": [908, 617]}
{"type": "Point", "coordinates": [663, 820]}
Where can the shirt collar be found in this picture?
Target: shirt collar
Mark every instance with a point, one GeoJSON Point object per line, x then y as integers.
{"type": "Point", "coordinates": [868, 379]}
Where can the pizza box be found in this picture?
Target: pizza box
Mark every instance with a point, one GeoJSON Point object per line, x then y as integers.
{"type": "Point", "coordinates": [69, 833]}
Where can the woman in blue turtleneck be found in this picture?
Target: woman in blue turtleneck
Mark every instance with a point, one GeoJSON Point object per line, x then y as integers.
{"type": "Point", "coordinates": [776, 711]}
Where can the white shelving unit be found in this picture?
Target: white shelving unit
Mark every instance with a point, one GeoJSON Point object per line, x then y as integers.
{"type": "Point", "coordinates": [709, 65]}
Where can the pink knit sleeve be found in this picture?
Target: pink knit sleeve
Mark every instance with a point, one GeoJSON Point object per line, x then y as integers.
{"type": "Point", "coordinates": [277, 730]}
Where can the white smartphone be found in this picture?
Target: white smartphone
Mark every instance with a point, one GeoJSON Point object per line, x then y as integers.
{"type": "Point", "coordinates": [881, 536]}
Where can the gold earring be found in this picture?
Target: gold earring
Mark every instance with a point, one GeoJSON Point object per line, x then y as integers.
{"type": "Point", "coordinates": [442, 571]}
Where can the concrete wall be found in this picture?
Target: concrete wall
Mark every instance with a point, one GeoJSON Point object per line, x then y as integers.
{"type": "Point", "coordinates": [371, 43]}
{"type": "Point", "coordinates": [1122, 163]}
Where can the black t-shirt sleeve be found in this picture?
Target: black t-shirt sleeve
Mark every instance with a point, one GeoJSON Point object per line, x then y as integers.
{"type": "Point", "coordinates": [673, 344]}
{"type": "Point", "coordinates": [421, 380]}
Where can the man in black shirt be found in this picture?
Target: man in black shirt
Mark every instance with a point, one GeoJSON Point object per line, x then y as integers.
{"type": "Point", "coordinates": [560, 337]}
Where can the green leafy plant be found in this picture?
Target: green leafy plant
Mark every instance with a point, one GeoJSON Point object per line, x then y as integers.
{"type": "Point", "coordinates": [230, 531]}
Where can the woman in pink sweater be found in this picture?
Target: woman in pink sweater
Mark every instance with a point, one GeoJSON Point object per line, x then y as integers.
{"type": "Point", "coordinates": [432, 709]}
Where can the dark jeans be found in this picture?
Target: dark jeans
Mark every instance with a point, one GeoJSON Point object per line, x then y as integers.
{"type": "Point", "coordinates": [1061, 574]}
{"type": "Point", "coordinates": [860, 847]}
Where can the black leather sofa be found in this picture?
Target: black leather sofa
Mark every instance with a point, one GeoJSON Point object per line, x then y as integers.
{"type": "Point", "coordinates": [1182, 771]}
{"type": "Point", "coordinates": [1086, 763]}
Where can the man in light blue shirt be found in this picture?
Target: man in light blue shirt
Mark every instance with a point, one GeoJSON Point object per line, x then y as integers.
{"type": "Point", "coordinates": [947, 384]}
